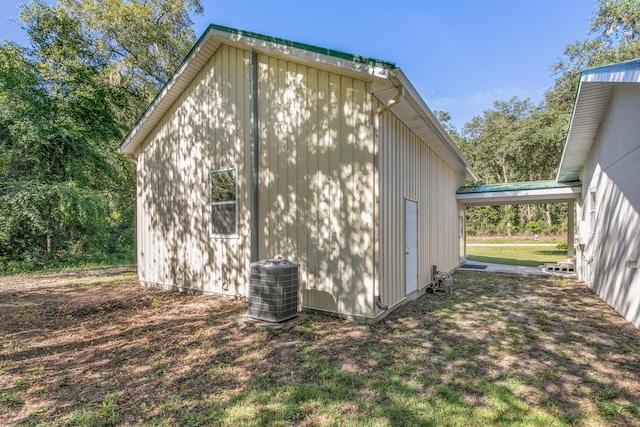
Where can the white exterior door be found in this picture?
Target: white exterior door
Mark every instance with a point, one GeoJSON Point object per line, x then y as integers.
{"type": "Point", "coordinates": [411, 244]}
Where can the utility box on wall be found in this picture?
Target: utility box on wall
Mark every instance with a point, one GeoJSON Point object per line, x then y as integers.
{"type": "Point", "coordinates": [273, 290]}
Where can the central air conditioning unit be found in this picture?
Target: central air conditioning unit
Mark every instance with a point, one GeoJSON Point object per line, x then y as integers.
{"type": "Point", "coordinates": [273, 290]}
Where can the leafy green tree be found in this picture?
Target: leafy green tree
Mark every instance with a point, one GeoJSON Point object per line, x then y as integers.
{"type": "Point", "coordinates": [42, 224]}
{"type": "Point", "coordinates": [539, 142]}
{"type": "Point", "coordinates": [445, 120]}
{"type": "Point", "coordinates": [516, 141]}
{"type": "Point", "coordinates": [614, 37]}
{"type": "Point", "coordinates": [65, 104]}
{"type": "Point", "coordinates": [482, 219]}
{"type": "Point", "coordinates": [494, 142]}
{"type": "Point", "coordinates": [513, 142]}
{"type": "Point", "coordinates": [134, 45]}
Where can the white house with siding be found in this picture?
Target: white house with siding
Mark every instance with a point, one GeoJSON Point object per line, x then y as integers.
{"type": "Point", "coordinates": [259, 146]}
{"type": "Point", "coordinates": [602, 150]}
{"type": "Point", "coordinates": [599, 172]}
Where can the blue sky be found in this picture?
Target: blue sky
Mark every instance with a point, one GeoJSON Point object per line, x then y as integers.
{"type": "Point", "coordinates": [461, 55]}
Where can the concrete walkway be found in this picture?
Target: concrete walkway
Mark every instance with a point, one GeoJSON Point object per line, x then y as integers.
{"type": "Point", "coordinates": [513, 244]}
{"type": "Point", "coordinates": [513, 269]}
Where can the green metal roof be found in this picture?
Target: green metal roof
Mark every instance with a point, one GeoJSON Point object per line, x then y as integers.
{"type": "Point", "coordinates": [630, 65]}
{"type": "Point", "coordinates": [414, 112]}
{"type": "Point", "coordinates": [126, 145]}
{"type": "Point", "coordinates": [517, 186]}
{"type": "Point", "coordinates": [308, 47]}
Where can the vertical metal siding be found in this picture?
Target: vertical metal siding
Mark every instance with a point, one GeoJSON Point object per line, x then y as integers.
{"type": "Point", "coordinates": [204, 130]}
{"type": "Point", "coordinates": [316, 182]}
{"type": "Point", "coordinates": [317, 178]}
{"type": "Point", "coordinates": [410, 169]}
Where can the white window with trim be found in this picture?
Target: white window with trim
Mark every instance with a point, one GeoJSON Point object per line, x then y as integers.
{"type": "Point", "coordinates": [224, 202]}
{"type": "Point", "coordinates": [592, 210]}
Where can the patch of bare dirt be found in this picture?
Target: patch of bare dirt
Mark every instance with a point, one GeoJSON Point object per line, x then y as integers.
{"type": "Point", "coordinates": [72, 340]}
{"type": "Point", "coordinates": [95, 347]}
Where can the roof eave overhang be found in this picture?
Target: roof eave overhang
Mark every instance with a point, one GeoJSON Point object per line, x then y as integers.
{"type": "Point", "coordinates": [307, 53]}
{"type": "Point", "coordinates": [592, 99]}
{"type": "Point", "coordinates": [549, 195]}
{"type": "Point", "coordinates": [588, 111]}
{"type": "Point", "coordinates": [184, 74]}
{"type": "Point", "coordinates": [414, 113]}
{"type": "Point", "coordinates": [417, 116]}
{"type": "Point", "coordinates": [445, 147]}
{"type": "Point", "coordinates": [212, 39]}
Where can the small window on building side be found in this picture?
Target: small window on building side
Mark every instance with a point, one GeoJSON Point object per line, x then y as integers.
{"type": "Point", "coordinates": [592, 211]}
{"type": "Point", "coordinates": [224, 202]}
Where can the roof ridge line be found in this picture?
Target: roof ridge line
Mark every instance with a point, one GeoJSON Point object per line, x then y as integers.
{"type": "Point", "coordinates": [306, 46]}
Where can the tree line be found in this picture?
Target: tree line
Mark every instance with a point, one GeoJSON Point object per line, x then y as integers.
{"type": "Point", "coordinates": [517, 141]}
{"type": "Point", "coordinates": [66, 102]}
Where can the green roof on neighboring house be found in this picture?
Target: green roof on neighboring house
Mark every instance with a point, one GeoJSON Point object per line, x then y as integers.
{"type": "Point", "coordinates": [517, 186]}
{"type": "Point", "coordinates": [308, 47]}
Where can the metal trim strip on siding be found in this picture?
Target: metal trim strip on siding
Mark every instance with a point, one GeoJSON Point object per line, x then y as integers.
{"type": "Point", "coordinates": [254, 137]}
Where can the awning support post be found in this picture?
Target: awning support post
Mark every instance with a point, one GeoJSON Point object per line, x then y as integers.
{"type": "Point", "coordinates": [570, 229]}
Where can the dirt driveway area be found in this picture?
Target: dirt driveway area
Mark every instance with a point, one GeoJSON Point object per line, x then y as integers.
{"type": "Point", "coordinates": [93, 347]}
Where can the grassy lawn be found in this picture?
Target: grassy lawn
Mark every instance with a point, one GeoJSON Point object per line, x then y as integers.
{"type": "Point", "coordinates": [531, 256]}
{"type": "Point", "coordinates": [99, 350]}
{"type": "Point", "coordinates": [516, 239]}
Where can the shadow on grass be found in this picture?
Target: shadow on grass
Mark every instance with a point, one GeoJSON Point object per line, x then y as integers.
{"type": "Point", "coordinates": [503, 349]}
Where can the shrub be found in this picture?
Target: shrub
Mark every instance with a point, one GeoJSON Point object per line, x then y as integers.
{"type": "Point", "coordinates": [41, 224]}
{"type": "Point", "coordinates": [533, 227]}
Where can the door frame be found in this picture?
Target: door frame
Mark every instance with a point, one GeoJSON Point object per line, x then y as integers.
{"type": "Point", "coordinates": [413, 288]}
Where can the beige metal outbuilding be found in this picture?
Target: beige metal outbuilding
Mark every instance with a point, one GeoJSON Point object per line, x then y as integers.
{"type": "Point", "coordinates": [259, 146]}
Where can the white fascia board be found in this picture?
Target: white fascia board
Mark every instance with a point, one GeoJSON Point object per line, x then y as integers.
{"type": "Point", "coordinates": [427, 116]}
{"type": "Point", "coordinates": [588, 111]}
{"type": "Point", "coordinates": [564, 174]}
{"type": "Point", "coordinates": [520, 197]}
{"type": "Point", "coordinates": [133, 139]}
{"type": "Point", "coordinates": [245, 41]}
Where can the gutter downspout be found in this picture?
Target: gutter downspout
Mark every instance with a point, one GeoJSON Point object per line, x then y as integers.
{"type": "Point", "coordinates": [376, 130]}
{"type": "Point", "coordinates": [254, 137]}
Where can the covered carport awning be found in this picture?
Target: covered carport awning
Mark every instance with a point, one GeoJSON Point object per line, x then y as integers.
{"type": "Point", "coordinates": [519, 193]}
